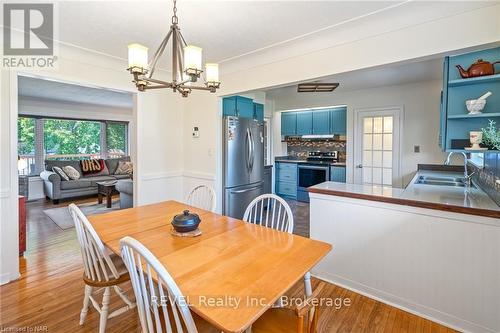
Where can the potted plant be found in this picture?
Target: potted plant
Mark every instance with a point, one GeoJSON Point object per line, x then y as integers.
{"type": "Point", "coordinates": [491, 136]}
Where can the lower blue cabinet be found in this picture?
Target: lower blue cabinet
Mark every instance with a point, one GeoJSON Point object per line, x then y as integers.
{"type": "Point", "coordinates": [286, 180]}
{"type": "Point", "coordinates": [337, 174]}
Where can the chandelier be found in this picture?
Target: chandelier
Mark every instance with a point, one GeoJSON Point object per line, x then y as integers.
{"type": "Point", "coordinates": [186, 64]}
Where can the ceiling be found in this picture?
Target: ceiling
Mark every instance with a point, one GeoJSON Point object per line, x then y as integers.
{"type": "Point", "coordinates": [54, 90]}
{"type": "Point", "coordinates": [225, 29]}
{"type": "Point", "coordinates": [388, 75]}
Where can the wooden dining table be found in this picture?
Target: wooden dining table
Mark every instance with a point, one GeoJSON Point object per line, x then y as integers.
{"type": "Point", "coordinates": [231, 261]}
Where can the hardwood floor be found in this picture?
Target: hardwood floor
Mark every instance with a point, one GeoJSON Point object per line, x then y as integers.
{"type": "Point", "coordinates": [48, 296]}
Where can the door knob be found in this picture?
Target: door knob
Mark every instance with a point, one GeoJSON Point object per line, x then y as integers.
{"type": "Point", "coordinates": [359, 166]}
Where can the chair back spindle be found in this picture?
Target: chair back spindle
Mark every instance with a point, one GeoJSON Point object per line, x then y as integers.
{"type": "Point", "coordinates": [161, 305]}
{"type": "Point", "coordinates": [97, 263]}
{"type": "Point", "coordinates": [203, 197]}
{"type": "Point", "coordinates": [269, 210]}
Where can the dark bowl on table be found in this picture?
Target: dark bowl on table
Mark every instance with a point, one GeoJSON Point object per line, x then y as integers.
{"type": "Point", "coordinates": [186, 222]}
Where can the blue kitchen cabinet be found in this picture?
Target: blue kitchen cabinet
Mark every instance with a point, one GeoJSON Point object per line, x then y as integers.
{"type": "Point", "coordinates": [304, 122]}
{"type": "Point", "coordinates": [288, 123]}
{"type": "Point", "coordinates": [258, 112]}
{"type": "Point", "coordinates": [286, 180]}
{"type": "Point", "coordinates": [455, 122]}
{"type": "Point", "coordinates": [338, 121]}
{"type": "Point", "coordinates": [321, 122]}
{"type": "Point", "coordinates": [238, 106]}
{"type": "Point", "coordinates": [337, 174]}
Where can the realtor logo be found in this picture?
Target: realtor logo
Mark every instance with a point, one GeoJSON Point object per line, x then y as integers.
{"type": "Point", "coordinates": [28, 35]}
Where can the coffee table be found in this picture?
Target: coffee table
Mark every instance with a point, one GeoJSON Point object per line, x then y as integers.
{"type": "Point", "coordinates": [108, 189]}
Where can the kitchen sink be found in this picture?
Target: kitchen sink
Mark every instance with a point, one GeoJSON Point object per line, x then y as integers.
{"type": "Point", "coordinates": [441, 181]}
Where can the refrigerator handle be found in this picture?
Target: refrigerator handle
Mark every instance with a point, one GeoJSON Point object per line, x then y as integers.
{"type": "Point", "coordinates": [247, 189]}
{"type": "Point", "coordinates": [252, 155]}
{"type": "Point", "coordinates": [248, 149]}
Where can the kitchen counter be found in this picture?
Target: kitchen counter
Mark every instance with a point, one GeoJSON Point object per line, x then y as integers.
{"type": "Point", "coordinates": [446, 198]}
{"type": "Point", "coordinates": [298, 160]}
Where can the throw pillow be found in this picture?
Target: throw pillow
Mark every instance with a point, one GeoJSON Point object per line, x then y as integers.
{"type": "Point", "coordinates": [60, 172]}
{"type": "Point", "coordinates": [94, 167]}
{"type": "Point", "coordinates": [71, 172]}
{"type": "Point", "coordinates": [124, 168]}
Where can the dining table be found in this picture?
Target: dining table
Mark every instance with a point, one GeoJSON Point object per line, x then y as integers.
{"type": "Point", "coordinates": [231, 273]}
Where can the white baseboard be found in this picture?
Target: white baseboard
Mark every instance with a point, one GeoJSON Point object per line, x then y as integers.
{"type": "Point", "coordinates": [8, 277]}
{"type": "Point", "coordinates": [403, 304]}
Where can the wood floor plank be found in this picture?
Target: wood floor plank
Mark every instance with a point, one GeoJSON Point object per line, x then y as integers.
{"type": "Point", "coordinates": [49, 293]}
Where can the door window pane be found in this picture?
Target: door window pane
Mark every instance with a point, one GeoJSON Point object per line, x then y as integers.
{"type": "Point", "coordinates": [377, 159]}
{"type": "Point", "coordinates": [387, 158]}
{"type": "Point", "coordinates": [368, 125]}
{"type": "Point", "coordinates": [377, 125]}
{"type": "Point", "coordinates": [377, 141]}
{"type": "Point", "coordinates": [367, 142]}
{"type": "Point", "coordinates": [388, 124]}
{"type": "Point", "coordinates": [116, 139]}
{"type": "Point", "coordinates": [387, 142]}
{"type": "Point", "coordinates": [367, 158]}
{"type": "Point", "coordinates": [377, 176]}
{"type": "Point", "coordinates": [367, 175]}
{"type": "Point", "coordinates": [387, 176]}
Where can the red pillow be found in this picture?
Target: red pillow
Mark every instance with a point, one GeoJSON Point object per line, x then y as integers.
{"type": "Point", "coordinates": [94, 167]}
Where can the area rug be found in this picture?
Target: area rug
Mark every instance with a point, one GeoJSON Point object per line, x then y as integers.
{"type": "Point", "coordinates": [63, 219]}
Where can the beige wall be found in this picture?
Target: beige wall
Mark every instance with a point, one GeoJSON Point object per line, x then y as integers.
{"type": "Point", "coordinates": [420, 102]}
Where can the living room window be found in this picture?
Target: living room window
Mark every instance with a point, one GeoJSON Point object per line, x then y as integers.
{"type": "Point", "coordinates": [65, 139]}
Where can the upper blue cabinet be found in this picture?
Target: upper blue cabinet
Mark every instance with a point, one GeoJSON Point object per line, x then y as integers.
{"type": "Point", "coordinates": [456, 122]}
{"type": "Point", "coordinates": [258, 112]}
{"type": "Point", "coordinates": [321, 122]}
{"type": "Point", "coordinates": [304, 123]}
{"type": "Point", "coordinates": [238, 106]}
{"type": "Point", "coordinates": [316, 122]}
{"type": "Point", "coordinates": [338, 121]}
{"type": "Point", "coordinates": [288, 123]}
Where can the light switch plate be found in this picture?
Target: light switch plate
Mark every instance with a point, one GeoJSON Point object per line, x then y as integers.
{"type": "Point", "coordinates": [416, 149]}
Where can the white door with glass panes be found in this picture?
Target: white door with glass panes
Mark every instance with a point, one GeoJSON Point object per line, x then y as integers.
{"type": "Point", "coordinates": [377, 146]}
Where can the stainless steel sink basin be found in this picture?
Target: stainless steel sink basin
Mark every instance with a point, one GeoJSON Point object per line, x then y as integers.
{"type": "Point", "coordinates": [441, 181]}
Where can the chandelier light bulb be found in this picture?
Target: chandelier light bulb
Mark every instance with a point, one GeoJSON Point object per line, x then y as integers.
{"type": "Point", "coordinates": [137, 56]}
{"type": "Point", "coordinates": [212, 72]}
{"type": "Point", "coordinates": [192, 58]}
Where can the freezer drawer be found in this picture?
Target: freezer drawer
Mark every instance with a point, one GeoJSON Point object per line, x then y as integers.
{"type": "Point", "coordinates": [238, 198]}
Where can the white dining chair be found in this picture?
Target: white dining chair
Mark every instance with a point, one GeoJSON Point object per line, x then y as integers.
{"type": "Point", "coordinates": [203, 197]}
{"type": "Point", "coordinates": [102, 269]}
{"type": "Point", "coordinates": [160, 303]}
{"type": "Point", "coordinates": [272, 211]}
{"type": "Point", "coordinates": [269, 210]}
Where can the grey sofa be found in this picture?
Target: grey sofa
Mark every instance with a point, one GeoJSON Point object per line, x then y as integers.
{"type": "Point", "coordinates": [126, 189]}
{"type": "Point", "coordinates": [56, 188]}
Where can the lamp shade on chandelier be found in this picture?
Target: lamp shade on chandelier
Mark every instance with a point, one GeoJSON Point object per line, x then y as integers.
{"type": "Point", "coordinates": [187, 66]}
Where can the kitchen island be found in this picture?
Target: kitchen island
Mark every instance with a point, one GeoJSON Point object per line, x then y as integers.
{"type": "Point", "coordinates": [432, 250]}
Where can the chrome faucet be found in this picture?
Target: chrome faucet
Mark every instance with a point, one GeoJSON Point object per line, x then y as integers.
{"type": "Point", "coordinates": [467, 176]}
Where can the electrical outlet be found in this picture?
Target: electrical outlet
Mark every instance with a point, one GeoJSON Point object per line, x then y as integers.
{"type": "Point", "coordinates": [416, 149]}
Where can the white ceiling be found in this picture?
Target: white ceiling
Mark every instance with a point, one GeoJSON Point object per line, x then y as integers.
{"type": "Point", "coordinates": [225, 29]}
{"type": "Point", "coordinates": [54, 90]}
{"type": "Point", "coordinates": [388, 75]}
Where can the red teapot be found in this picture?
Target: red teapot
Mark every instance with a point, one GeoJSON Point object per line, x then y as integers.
{"type": "Point", "coordinates": [479, 68]}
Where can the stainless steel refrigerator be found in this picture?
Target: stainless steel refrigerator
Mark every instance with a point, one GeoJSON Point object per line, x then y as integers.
{"type": "Point", "coordinates": [243, 164]}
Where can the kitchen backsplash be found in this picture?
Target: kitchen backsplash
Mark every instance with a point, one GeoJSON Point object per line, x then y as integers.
{"type": "Point", "coordinates": [488, 176]}
{"type": "Point", "coordinates": [300, 148]}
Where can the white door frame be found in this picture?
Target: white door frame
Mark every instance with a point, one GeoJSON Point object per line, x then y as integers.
{"type": "Point", "coordinates": [396, 112]}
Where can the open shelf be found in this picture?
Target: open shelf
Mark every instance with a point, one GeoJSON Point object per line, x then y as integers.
{"type": "Point", "coordinates": [480, 115]}
{"type": "Point", "coordinates": [475, 80]}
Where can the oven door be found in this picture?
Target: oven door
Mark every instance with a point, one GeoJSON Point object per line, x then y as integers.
{"type": "Point", "coordinates": [310, 175]}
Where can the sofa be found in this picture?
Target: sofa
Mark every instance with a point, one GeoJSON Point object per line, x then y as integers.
{"type": "Point", "coordinates": [56, 188]}
{"type": "Point", "coordinates": [126, 189]}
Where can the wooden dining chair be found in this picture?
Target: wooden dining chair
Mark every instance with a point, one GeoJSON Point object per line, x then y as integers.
{"type": "Point", "coordinates": [300, 318]}
{"type": "Point", "coordinates": [160, 303]}
{"type": "Point", "coordinates": [102, 269]}
{"type": "Point", "coordinates": [272, 211]}
{"type": "Point", "coordinates": [203, 197]}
